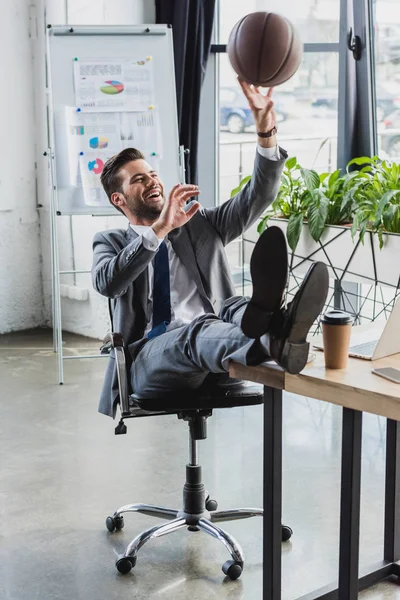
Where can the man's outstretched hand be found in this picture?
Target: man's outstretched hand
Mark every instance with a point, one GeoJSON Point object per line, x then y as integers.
{"type": "Point", "coordinates": [173, 214]}
{"type": "Point", "coordinates": [262, 108]}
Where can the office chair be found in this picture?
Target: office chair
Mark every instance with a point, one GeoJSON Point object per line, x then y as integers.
{"type": "Point", "coordinates": [199, 511]}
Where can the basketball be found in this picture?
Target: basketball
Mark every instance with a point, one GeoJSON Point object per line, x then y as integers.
{"type": "Point", "coordinates": [264, 49]}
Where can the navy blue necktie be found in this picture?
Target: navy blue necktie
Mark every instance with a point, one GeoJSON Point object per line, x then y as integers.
{"type": "Point", "coordinates": [161, 292]}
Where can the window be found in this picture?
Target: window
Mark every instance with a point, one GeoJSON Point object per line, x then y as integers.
{"type": "Point", "coordinates": [386, 48]}
{"type": "Point", "coordinates": [306, 106]}
{"type": "Point", "coordinates": [333, 109]}
{"type": "Point", "coordinates": [315, 20]}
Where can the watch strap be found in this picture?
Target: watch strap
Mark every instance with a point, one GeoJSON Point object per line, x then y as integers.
{"type": "Point", "coordinates": [267, 134]}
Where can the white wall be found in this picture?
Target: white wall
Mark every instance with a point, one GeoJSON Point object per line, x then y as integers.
{"type": "Point", "coordinates": [75, 234]}
{"type": "Point", "coordinates": [21, 297]}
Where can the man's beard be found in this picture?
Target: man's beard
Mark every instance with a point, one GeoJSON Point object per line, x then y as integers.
{"type": "Point", "coordinates": [140, 209]}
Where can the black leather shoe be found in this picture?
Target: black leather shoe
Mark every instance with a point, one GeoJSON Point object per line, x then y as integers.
{"type": "Point", "coordinates": [269, 271]}
{"type": "Point", "coordinates": [289, 327]}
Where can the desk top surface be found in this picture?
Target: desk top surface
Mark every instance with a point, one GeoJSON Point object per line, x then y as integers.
{"type": "Point", "coordinates": [354, 387]}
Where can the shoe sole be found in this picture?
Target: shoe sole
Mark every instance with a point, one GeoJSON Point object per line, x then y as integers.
{"type": "Point", "coordinates": [310, 300]}
{"type": "Point", "coordinates": [269, 271]}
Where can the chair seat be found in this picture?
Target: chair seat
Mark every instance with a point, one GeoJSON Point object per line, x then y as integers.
{"type": "Point", "coordinates": [212, 395]}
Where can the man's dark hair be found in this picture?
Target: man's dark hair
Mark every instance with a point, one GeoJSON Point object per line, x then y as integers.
{"type": "Point", "coordinates": [110, 178]}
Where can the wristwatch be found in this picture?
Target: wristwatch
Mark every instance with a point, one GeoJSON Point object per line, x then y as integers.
{"type": "Point", "coordinates": [268, 134]}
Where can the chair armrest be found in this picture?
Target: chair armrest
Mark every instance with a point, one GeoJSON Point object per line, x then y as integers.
{"type": "Point", "coordinates": [115, 341]}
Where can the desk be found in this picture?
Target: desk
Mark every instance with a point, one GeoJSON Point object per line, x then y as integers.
{"type": "Point", "coordinates": [357, 390]}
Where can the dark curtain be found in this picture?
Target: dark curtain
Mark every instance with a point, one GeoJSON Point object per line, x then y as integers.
{"type": "Point", "coordinates": [192, 23]}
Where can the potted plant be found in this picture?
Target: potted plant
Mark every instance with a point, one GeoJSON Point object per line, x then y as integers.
{"type": "Point", "coordinates": [342, 219]}
{"type": "Point", "coordinates": [307, 197]}
{"type": "Point", "coordinates": [375, 198]}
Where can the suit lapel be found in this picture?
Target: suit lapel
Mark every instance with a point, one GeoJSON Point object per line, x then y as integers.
{"type": "Point", "coordinates": [182, 245]}
{"type": "Point", "coordinates": [141, 284]}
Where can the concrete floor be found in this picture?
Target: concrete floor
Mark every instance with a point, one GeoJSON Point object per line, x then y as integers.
{"type": "Point", "coordinates": [63, 471]}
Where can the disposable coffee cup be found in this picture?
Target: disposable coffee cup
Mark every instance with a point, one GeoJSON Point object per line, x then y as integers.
{"type": "Point", "coordinates": [336, 332]}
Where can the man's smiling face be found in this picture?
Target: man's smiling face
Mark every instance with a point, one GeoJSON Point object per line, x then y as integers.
{"type": "Point", "coordinates": [142, 189]}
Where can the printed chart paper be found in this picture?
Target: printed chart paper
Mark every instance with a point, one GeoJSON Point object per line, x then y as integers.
{"type": "Point", "coordinates": [91, 166]}
{"type": "Point", "coordinates": [114, 85]}
{"type": "Point", "coordinates": [115, 109]}
{"type": "Point", "coordinates": [87, 132]}
{"type": "Point", "coordinates": [92, 138]}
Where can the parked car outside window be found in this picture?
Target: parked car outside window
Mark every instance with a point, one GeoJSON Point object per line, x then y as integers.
{"type": "Point", "coordinates": [387, 100]}
{"type": "Point", "coordinates": [390, 136]}
{"type": "Point", "coordinates": [235, 114]}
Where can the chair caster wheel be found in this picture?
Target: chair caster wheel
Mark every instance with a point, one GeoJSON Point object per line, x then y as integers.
{"type": "Point", "coordinates": [287, 533]}
{"type": "Point", "coordinates": [232, 569]}
{"type": "Point", "coordinates": [211, 504]}
{"type": "Point", "coordinates": [125, 563]}
{"type": "Point", "coordinates": [114, 523]}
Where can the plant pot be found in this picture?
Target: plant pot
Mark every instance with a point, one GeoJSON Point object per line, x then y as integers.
{"type": "Point", "coordinates": [347, 260]}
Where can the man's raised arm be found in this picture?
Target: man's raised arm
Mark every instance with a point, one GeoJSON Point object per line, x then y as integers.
{"type": "Point", "coordinates": [236, 215]}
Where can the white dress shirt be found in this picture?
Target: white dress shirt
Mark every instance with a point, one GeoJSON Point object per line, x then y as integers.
{"type": "Point", "coordinates": [186, 302]}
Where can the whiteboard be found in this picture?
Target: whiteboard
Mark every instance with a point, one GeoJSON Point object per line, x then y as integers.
{"type": "Point", "coordinates": [73, 170]}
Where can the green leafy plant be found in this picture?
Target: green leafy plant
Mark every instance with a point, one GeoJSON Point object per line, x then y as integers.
{"type": "Point", "coordinates": [306, 196]}
{"type": "Point", "coordinates": [375, 197]}
{"type": "Point", "coordinates": [241, 185]}
{"type": "Point", "coordinates": [366, 199]}
{"type": "Point", "coordinates": [290, 203]}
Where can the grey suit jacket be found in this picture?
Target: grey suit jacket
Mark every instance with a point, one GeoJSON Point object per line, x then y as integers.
{"type": "Point", "coordinates": [120, 261]}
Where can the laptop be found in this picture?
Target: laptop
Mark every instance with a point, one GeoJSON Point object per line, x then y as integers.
{"type": "Point", "coordinates": [375, 340]}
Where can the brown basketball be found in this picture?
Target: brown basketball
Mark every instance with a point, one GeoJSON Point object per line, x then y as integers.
{"type": "Point", "coordinates": [264, 49]}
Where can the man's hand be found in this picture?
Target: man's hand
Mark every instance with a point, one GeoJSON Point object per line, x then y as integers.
{"type": "Point", "coordinates": [262, 108]}
{"type": "Point", "coordinates": [173, 214]}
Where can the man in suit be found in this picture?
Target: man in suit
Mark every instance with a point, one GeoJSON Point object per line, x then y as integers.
{"type": "Point", "coordinates": [169, 282]}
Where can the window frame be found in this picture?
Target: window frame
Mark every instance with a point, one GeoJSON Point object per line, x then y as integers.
{"type": "Point", "coordinates": [366, 142]}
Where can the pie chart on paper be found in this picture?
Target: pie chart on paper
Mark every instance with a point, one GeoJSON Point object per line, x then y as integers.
{"type": "Point", "coordinates": [112, 87]}
{"type": "Point", "coordinates": [96, 166]}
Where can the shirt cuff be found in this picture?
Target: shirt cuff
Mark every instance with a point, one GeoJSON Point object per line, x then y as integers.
{"type": "Point", "coordinates": [150, 240]}
{"type": "Point", "coordinates": [270, 153]}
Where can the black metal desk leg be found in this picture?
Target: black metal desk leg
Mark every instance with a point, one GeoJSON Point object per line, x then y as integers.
{"type": "Point", "coordinates": [350, 504]}
{"type": "Point", "coordinates": [392, 492]}
{"type": "Point", "coordinates": [272, 537]}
